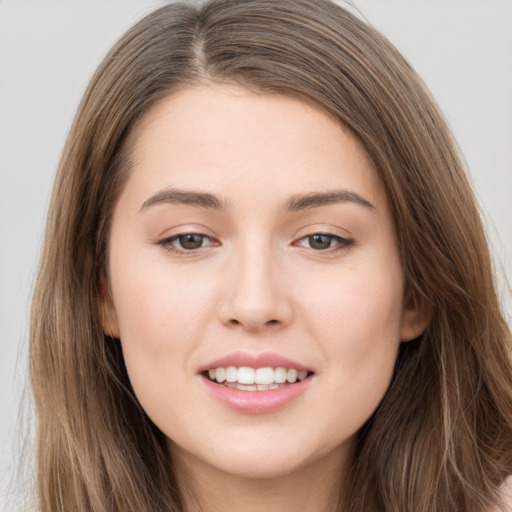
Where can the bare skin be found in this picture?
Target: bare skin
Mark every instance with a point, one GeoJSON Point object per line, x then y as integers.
{"type": "Point", "coordinates": [254, 224]}
{"type": "Point", "coordinates": [315, 488]}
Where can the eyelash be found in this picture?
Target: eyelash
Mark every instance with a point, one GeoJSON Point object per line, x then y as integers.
{"type": "Point", "coordinates": [342, 243]}
{"type": "Point", "coordinates": [167, 243]}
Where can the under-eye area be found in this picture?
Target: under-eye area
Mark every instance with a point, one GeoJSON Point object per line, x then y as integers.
{"type": "Point", "coordinates": [255, 379]}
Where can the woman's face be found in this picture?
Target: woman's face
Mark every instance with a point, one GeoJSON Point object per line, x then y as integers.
{"type": "Point", "coordinates": [253, 240]}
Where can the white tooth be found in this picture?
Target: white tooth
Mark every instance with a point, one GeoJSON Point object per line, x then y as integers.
{"type": "Point", "coordinates": [262, 387]}
{"type": "Point", "coordinates": [273, 386]}
{"type": "Point", "coordinates": [291, 375]}
{"type": "Point", "coordinates": [280, 375]}
{"type": "Point", "coordinates": [211, 373]}
{"type": "Point", "coordinates": [302, 375]}
{"type": "Point", "coordinates": [231, 374]}
{"type": "Point", "coordinates": [245, 375]}
{"type": "Point", "coordinates": [220, 374]}
{"type": "Point", "coordinates": [264, 375]}
{"type": "Point", "coordinates": [246, 388]}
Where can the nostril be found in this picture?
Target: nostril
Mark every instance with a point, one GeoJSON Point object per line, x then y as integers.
{"type": "Point", "coordinates": [254, 325]}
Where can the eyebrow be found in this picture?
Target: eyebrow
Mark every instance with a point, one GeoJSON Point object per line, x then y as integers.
{"type": "Point", "coordinates": [295, 203]}
{"type": "Point", "coordinates": [316, 199]}
{"type": "Point", "coordinates": [184, 197]}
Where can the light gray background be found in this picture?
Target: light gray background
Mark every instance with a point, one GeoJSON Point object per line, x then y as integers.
{"type": "Point", "coordinates": [49, 49]}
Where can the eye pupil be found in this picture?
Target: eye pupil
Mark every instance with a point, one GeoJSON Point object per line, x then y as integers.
{"type": "Point", "coordinates": [191, 241]}
{"type": "Point", "coordinates": [320, 241]}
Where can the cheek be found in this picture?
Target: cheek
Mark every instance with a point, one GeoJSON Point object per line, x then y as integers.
{"type": "Point", "coordinates": [162, 317]}
{"type": "Point", "coordinates": [357, 328]}
{"type": "Point", "coordinates": [155, 300]}
{"type": "Point", "coordinates": [358, 303]}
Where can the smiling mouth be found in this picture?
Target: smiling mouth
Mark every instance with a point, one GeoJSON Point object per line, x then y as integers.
{"type": "Point", "coordinates": [246, 378]}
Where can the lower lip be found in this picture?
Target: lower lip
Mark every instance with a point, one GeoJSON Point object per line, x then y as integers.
{"type": "Point", "coordinates": [256, 402]}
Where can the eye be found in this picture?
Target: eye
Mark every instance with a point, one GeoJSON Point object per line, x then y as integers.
{"type": "Point", "coordinates": [186, 242]}
{"type": "Point", "coordinates": [325, 242]}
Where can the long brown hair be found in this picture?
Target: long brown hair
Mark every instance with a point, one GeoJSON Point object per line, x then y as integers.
{"type": "Point", "coordinates": [442, 437]}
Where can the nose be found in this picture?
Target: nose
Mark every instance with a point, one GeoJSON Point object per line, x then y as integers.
{"type": "Point", "coordinates": [256, 296]}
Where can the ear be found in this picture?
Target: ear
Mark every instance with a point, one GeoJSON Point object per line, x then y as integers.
{"type": "Point", "coordinates": [416, 315]}
{"type": "Point", "coordinates": [107, 309]}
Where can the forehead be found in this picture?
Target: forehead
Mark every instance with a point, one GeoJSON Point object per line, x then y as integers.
{"type": "Point", "coordinates": [229, 137]}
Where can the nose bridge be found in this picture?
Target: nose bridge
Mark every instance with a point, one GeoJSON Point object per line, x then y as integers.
{"type": "Point", "coordinates": [257, 295]}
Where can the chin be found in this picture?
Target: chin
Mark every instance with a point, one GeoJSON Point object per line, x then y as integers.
{"type": "Point", "coordinates": [270, 456]}
{"type": "Point", "coordinates": [261, 467]}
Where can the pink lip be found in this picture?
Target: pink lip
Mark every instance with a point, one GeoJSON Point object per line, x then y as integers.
{"type": "Point", "coordinates": [255, 402]}
{"type": "Point", "coordinates": [260, 360]}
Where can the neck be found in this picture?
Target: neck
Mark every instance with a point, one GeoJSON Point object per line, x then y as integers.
{"type": "Point", "coordinates": [316, 487]}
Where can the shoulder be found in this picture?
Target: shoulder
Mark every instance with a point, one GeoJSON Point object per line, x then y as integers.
{"type": "Point", "coordinates": [506, 494]}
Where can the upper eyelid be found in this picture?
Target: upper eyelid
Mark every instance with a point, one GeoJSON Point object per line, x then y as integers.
{"type": "Point", "coordinates": [177, 231]}
{"type": "Point", "coordinates": [321, 228]}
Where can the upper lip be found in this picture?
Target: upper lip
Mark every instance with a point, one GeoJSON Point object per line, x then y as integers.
{"type": "Point", "coordinates": [259, 360]}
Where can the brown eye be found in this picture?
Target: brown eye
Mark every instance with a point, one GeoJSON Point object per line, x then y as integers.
{"type": "Point", "coordinates": [325, 242]}
{"type": "Point", "coordinates": [190, 241]}
{"type": "Point", "coordinates": [184, 243]}
{"type": "Point", "coordinates": [320, 241]}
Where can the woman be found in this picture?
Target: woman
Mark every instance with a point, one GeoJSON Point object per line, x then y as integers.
{"type": "Point", "coordinates": [265, 282]}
